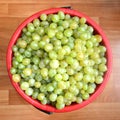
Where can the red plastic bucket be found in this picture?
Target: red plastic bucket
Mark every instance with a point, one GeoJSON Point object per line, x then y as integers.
{"type": "Point", "coordinates": [74, 106]}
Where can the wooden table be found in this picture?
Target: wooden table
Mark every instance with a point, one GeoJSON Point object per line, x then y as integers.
{"type": "Point", "coordinates": [106, 13]}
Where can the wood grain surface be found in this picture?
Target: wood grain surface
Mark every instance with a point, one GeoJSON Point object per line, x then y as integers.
{"type": "Point", "coordinates": [106, 13]}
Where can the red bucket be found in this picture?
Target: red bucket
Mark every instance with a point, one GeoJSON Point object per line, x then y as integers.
{"type": "Point", "coordinates": [74, 106]}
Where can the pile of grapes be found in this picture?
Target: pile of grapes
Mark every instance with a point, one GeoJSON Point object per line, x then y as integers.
{"type": "Point", "coordinates": [58, 60]}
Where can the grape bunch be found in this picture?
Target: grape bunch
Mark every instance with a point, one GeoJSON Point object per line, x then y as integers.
{"type": "Point", "coordinates": [58, 60]}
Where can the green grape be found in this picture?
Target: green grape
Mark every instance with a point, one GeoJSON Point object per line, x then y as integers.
{"type": "Point", "coordinates": [79, 85]}
{"type": "Point", "coordinates": [68, 32]}
{"type": "Point", "coordinates": [16, 78]}
{"type": "Point", "coordinates": [21, 66]}
{"type": "Point", "coordinates": [51, 33]}
{"type": "Point", "coordinates": [19, 58]}
{"type": "Point", "coordinates": [73, 25]}
{"type": "Point", "coordinates": [80, 56]}
{"type": "Point", "coordinates": [72, 88]}
{"type": "Point", "coordinates": [68, 95]}
{"type": "Point", "coordinates": [31, 82]}
{"type": "Point", "coordinates": [64, 40]}
{"type": "Point", "coordinates": [48, 47]}
{"type": "Point", "coordinates": [52, 72]}
{"type": "Point", "coordinates": [34, 95]}
{"type": "Point", "coordinates": [43, 17]}
{"type": "Point", "coordinates": [99, 79]}
{"type": "Point", "coordinates": [55, 18]}
{"type": "Point", "coordinates": [60, 99]}
{"type": "Point", "coordinates": [61, 15]}
{"type": "Point", "coordinates": [88, 70]}
{"type": "Point", "coordinates": [69, 60]}
{"type": "Point", "coordinates": [27, 53]}
{"type": "Point", "coordinates": [65, 24]}
{"type": "Point", "coordinates": [59, 35]}
{"type": "Point", "coordinates": [57, 91]}
{"type": "Point", "coordinates": [37, 84]}
{"type": "Point", "coordinates": [89, 44]}
{"type": "Point", "coordinates": [67, 84]}
{"type": "Point", "coordinates": [14, 48]}
{"type": "Point", "coordinates": [65, 77]}
{"type": "Point", "coordinates": [76, 92]}
{"type": "Point", "coordinates": [70, 71]}
{"type": "Point", "coordinates": [30, 27]}
{"type": "Point", "coordinates": [41, 44]}
{"type": "Point", "coordinates": [52, 55]}
{"type": "Point", "coordinates": [75, 65]}
{"type": "Point", "coordinates": [78, 76]}
{"type": "Point", "coordinates": [90, 29]}
{"type": "Point", "coordinates": [41, 96]}
{"type": "Point", "coordinates": [63, 64]}
{"type": "Point", "coordinates": [79, 100]}
{"type": "Point", "coordinates": [24, 30]}
{"type": "Point", "coordinates": [67, 49]}
{"type": "Point", "coordinates": [85, 96]}
{"type": "Point", "coordinates": [54, 64]}
{"type": "Point", "coordinates": [24, 85]}
{"type": "Point", "coordinates": [73, 54]}
{"type": "Point", "coordinates": [60, 28]}
{"type": "Point", "coordinates": [102, 67]}
{"type": "Point", "coordinates": [67, 16]}
{"type": "Point", "coordinates": [83, 20]}
{"type": "Point", "coordinates": [86, 78]}
{"type": "Point", "coordinates": [84, 36]}
{"type": "Point", "coordinates": [40, 31]}
{"type": "Point", "coordinates": [46, 39]}
{"type": "Point", "coordinates": [58, 77]}
{"type": "Point", "coordinates": [26, 61]}
{"type": "Point", "coordinates": [53, 25]}
{"type": "Point", "coordinates": [44, 72]}
{"type": "Point", "coordinates": [36, 22]}
{"type": "Point", "coordinates": [72, 81]}
{"type": "Point", "coordinates": [36, 60]}
{"type": "Point", "coordinates": [90, 90]}
{"type": "Point", "coordinates": [61, 85]}
{"type": "Point", "coordinates": [36, 37]}
{"type": "Point", "coordinates": [13, 70]}
{"type": "Point", "coordinates": [44, 101]}
{"type": "Point", "coordinates": [21, 50]}
{"type": "Point", "coordinates": [60, 105]}
{"type": "Point", "coordinates": [61, 70]}
{"type": "Point", "coordinates": [53, 97]}
{"type": "Point", "coordinates": [49, 87]}
{"type": "Point", "coordinates": [27, 71]}
{"type": "Point", "coordinates": [102, 48]}
{"type": "Point", "coordinates": [34, 45]}
{"type": "Point", "coordinates": [41, 64]}
{"type": "Point", "coordinates": [29, 91]}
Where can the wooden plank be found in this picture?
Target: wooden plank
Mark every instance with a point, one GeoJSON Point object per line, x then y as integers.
{"type": "Point", "coordinates": [3, 9]}
{"type": "Point", "coordinates": [8, 25]}
{"type": "Point", "coordinates": [60, 1]}
{"type": "Point", "coordinates": [99, 111]}
{"type": "Point", "coordinates": [29, 9]}
{"type": "Point", "coordinates": [5, 82]}
{"type": "Point", "coordinates": [4, 97]}
{"type": "Point", "coordinates": [15, 98]}
{"type": "Point", "coordinates": [106, 13]}
{"type": "Point", "coordinates": [101, 10]}
{"type": "Point", "coordinates": [110, 24]}
{"type": "Point", "coordinates": [27, 112]}
{"type": "Point", "coordinates": [18, 112]}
